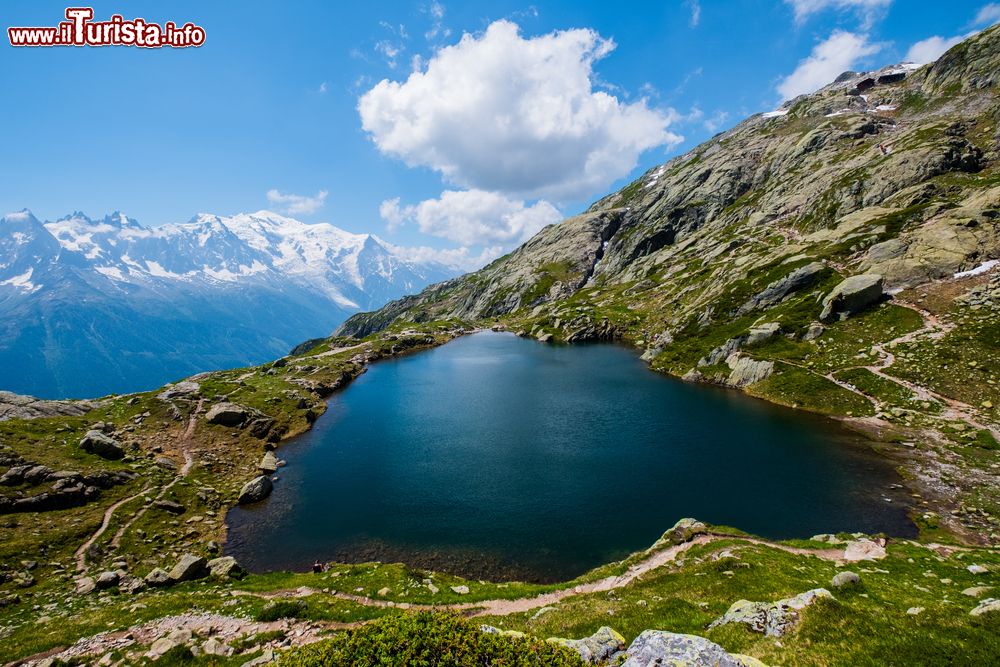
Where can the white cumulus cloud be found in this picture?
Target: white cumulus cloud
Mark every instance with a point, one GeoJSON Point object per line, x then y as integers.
{"type": "Point", "coordinates": [838, 53]}
{"type": "Point", "coordinates": [501, 113]}
{"type": "Point", "coordinates": [473, 217]}
{"type": "Point", "coordinates": [293, 204]}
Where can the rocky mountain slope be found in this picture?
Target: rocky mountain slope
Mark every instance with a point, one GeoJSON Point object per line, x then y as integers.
{"type": "Point", "coordinates": [837, 255]}
{"type": "Point", "coordinates": [94, 306]}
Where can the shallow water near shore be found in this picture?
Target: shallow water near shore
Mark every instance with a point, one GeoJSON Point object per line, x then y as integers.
{"type": "Point", "coordinates": [501, 458]}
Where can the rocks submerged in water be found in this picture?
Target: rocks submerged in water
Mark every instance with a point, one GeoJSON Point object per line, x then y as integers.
{"type": "Point", "coordinates": [771, 618]}
{"type": "Point", "coordinates": [255, 490]}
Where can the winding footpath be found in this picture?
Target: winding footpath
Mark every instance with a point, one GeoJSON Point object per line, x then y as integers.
{"type": "Point", "coordinates": [185, 443]}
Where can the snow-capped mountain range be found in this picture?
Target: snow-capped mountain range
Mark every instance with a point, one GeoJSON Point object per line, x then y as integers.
{"type": "Point", "coordinates": [94, 306]}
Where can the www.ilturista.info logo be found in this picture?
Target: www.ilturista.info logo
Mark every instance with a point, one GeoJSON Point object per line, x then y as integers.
{"type": "Point", "coordinates": [80, 30]}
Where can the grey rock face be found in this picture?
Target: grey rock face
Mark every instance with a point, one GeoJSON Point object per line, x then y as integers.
{"type": "Point", "coordinates": [169, 506]}
{"type": "Point", "coordinates": [771, 618]}
{"type": "Point", "coordinates": [268, 464]}
{"type": "Point", "coordinates": [107, 579]}
{"type": "Point", "coordinates": [852, 296]}
{"type": "Point", "coordinates": [157, 577]}
{"type": "Point", "coordinates": [597, 649]}
{"type": "Point", "coordinates": [654, 648]}
{"type": "Point", "coordinates": [189, 567]}
{"type": "Point", "coordinates": [185, 389]}
{"type": "Point", "coordinates": [255, 490]}
{"type": "Point", "coordinates": [227, 414]}
{"type": "Point", "coordinates": [776, 292]}
{"type": "Point", "coordinates": [102, 445]}
{"type": "Point", "coordinates": [747, 371]}
{"type": "Point", "coordinates": [16, 406]}
{"type": "Point", "coordinates": [225, 567]}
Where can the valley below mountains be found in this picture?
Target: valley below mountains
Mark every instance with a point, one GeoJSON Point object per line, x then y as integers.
{"type": "Point", "coordinates": [90, 307]}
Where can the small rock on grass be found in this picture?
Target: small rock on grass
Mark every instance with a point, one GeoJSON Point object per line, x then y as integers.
{"type": "Point", "coordinates": [844, 579]}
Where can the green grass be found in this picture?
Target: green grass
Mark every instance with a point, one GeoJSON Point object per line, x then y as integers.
{"type": "Point", "coordinates": [885, 390]}
{"type": "Point", "coordinates": [798, 388]}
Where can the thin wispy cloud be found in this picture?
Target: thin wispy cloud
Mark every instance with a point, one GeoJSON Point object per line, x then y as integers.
{"type": "Point", "coordinates": [869, 11]}
{"type": "Point", "coordinates": [294, 204]}
{"type": "Point", "coordinates": [695, 7]}
{"type": "Point", "coordinates": [988, 15]}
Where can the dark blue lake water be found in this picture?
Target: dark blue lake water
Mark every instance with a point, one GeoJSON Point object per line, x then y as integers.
{"type": "Point", "coordinates": [498, 457]}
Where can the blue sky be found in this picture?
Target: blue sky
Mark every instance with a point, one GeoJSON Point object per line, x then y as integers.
{"type": "Point", "coordinates": [491, 119]}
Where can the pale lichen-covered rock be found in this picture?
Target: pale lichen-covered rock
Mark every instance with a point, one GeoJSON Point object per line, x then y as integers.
{"type": "Point", "coordinates": [844, 579]}
{"type": "Point", "coordinates": [598, 648]}
{"type": "Point", "coordinates": [255, 490]}
{"type": "Point", "coordinates": [864, 549]}
{"type": "Point", "coordinates": [17, 406]}
{"type": "Point", "coordinates": [656, 648]}
{"type": "Point", "coordinates": [268, 463]}
{"type": "Point", "coordinates": [227, 414]}
{"type": "Point", "coordinates": [746, 371]}
{"type": "Point", "coordinates": [771, 618]}
{"type": "Point", "coordinates": [852, 296]}
{"type": "Point", "coordinates": [684, 530]}
{"type": "Point", "coordinates": [762, 332]}
{"type": "Point", "coordinates": [185, 389]}
{"type": "Point", "coordinates": [987, 606]}
{"type": "Point", "coordinates": [224, 567]}
{"type": "Point", "coordinates": [157, 577]}
{"type": "Point", "coordinates": [189, 567]}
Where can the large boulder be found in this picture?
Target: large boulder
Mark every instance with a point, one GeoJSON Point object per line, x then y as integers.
{"type": "Point", "coordinates": [747, 371]}
{"type": "Point", "coordinates": [107, 579]}
{"type": "Point", "coordinates": [864, 549]}
{"type": "Point", "coordinates": [225, 567]}
{"type": "Point", "coordinates": [656, 648]}
{"type": "Point", "coordinates": [771, 618]}
{"type": "Point", "coordinates": [102, 445]}
{"type": "Point", "coordinates": [189, 567]}
{"type": "Point", "coordinates": [255, 490]}
{"type": "Point", "coordinates": [597, 649]}
{"type": "Point", "coordinates": [684, 530]}
{"type": "Point", "coordinates": [157, 577]}
{"type": "Point", "coordinates": [227, 414]}
{"type": "Point", "coordinates": [852, 296]}
{"type": "Point", "coordinates": [185, 389]}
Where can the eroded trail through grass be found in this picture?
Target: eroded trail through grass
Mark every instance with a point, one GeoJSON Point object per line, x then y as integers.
{"type": "Point", "coordinates": [186, 440]}
{"type": "Point", "coordinates": [504, 607]}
